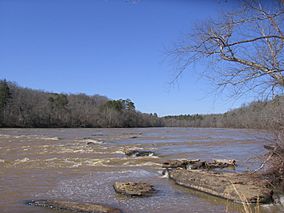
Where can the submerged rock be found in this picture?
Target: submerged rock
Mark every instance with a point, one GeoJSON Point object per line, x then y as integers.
{"type": "Point", "coordinates": [243, 188]}
{"type": "Point", "coordinates": [138, 153]}
{"type": "Point", "coordinates": [74, 206]}
{"type": "Point", "coordinates": [134, 188]}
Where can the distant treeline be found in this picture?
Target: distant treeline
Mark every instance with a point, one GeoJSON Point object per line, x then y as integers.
{"type": "Point", "coordinates": [256, 115]}
{"type": "Point", "coordinates": [23, 107]}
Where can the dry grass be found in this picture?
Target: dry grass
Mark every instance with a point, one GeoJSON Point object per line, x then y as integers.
{"type": "Point", "coordinates": [247, 207]}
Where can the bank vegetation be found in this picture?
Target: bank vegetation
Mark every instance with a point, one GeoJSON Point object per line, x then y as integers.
{"type": "Point", "coordinates": [24, 107]}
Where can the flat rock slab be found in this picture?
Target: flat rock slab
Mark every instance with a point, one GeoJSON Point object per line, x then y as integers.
{"type": "Point", "coordinates": [134, 188]}
{"type": "Point", "coordinates": [74, 206]}
{"type": "Point", "coordinates": [231, 186]}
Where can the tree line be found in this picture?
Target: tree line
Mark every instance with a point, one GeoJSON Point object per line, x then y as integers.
{"type": "Point", "coordinates": [24, 107]}
{"type": "Point", "coordinates": [256, 115]}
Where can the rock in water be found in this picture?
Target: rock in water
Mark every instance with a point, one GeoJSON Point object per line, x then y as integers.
{"type": "Point", "coordinates": [231, 162]}
{"type": "Point", "coordinates": [172, 164]}
{"type": "Point", "coordinates": [74, 206]}
{"type": "Point", "coordinates": [198, 165]}
{"type": "Point", "coordinates": [242, 188]}
{"type": "Point", "coordinates": [138, 153]}
{"type": "Point", "coordinates": [134, 188]}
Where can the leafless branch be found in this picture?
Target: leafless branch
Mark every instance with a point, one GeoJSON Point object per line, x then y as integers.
{"type": "Point", "coordinates": [257, 58]}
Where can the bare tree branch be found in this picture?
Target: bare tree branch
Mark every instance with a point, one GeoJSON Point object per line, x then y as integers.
{"type": "Point", "coordinates": [257, 57]}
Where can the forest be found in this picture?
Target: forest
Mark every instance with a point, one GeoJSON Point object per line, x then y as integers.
{"type": "Point", "coordinates": [24, 107]}
{"type": "Point", "coordinates": [255, 115]}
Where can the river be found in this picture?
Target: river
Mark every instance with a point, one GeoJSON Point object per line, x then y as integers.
{"type": "Point", "coordinates": [58, 164]}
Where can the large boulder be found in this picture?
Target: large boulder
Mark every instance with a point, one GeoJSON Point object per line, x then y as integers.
{"type": "Point", "coordinates": [74, 206]}
{"type": "Point", "coordinates": [236, 187]}
{"type": "Point", "coordinates": [134, 188]}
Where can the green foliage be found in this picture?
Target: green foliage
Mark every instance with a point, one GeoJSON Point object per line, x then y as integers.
{"type": "Point", "coordinates": [58, 100]}
{"type": "Point", "coordinates": [120, 105]}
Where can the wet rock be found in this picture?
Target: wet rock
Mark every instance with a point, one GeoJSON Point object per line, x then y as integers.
{"type": "Point", "coordinates": [73, 206]}
{"type": "Point", "coordinates": [91, 143]}
{"type": "Point", "coordinates": [132, 135]}
{"type": "Point", "coordinates": [134, 188]}
{"type": "Point", "coordinates": [269, 146]}
{"type": "Point", "coordinates": [225, 162]}
{"type": "Point", "coordinates": [198, 165]}
{"type": "Point", "coordinates": [220, 164]}
{"type": "Point", "coordinates": [138, 153]}
{"type": "Point", "coordinates": [165, 172]}
{"type": "Point", "coordinates": [231, 186]}
{"type": "Point", "coordinates": [171, 164]}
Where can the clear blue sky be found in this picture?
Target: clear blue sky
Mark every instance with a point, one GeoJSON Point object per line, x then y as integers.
{"type": "Point", "coordinates": [108, 47]}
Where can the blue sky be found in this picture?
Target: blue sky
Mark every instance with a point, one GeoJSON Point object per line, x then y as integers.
{"type": "Point", "coordinates": [108, 47]}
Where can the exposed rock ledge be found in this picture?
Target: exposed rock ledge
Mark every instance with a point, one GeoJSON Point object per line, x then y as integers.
{"type": "Point", "coordinates": [74, 206]}
{"type": "Point", "coordinates": [231, 186]}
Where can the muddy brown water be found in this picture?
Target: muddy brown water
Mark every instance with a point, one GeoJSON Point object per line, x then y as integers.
{"type": "Point", "coordinates": [58, 164]}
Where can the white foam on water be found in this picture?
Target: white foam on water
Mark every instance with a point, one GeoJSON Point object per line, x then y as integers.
{"type": "Point", "coordinates": [51, 159]}
{"type": "Point", "coordinates": [281, 200]}
{"type": "Point", "coordinates": [119, 152]}
{"type": "Point", "coordinates": [38, 137]}
{"type": "Point", "coordinates": [76, 165]}
{"type": "Point", "coordinates": [98, 187]}
{"type": "Point", "coordinates": [5, 136]}
{"type": "Point", "coordinates": [164, 174]}
{"type": "Point", "coordinates": [151, 164]}
{"type": "Point", "coordinates": [2, 161]}
{"type": "Point", "coordinates": [49, 138]}
{"type": "Point", "coordinates": [24, 160]}
{"type": "Point", "coordinates": [93, 141]}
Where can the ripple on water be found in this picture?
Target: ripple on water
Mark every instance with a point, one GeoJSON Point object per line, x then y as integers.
{"type": "Point", "coordinates": [98, 188]}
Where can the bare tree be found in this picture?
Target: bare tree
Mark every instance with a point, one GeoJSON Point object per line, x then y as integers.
{"type": "Point", "coordinates": [246, 46]}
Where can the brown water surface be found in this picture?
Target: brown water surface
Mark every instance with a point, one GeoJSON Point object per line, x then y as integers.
{"type": "Point", "coordinates": [58, 164]}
